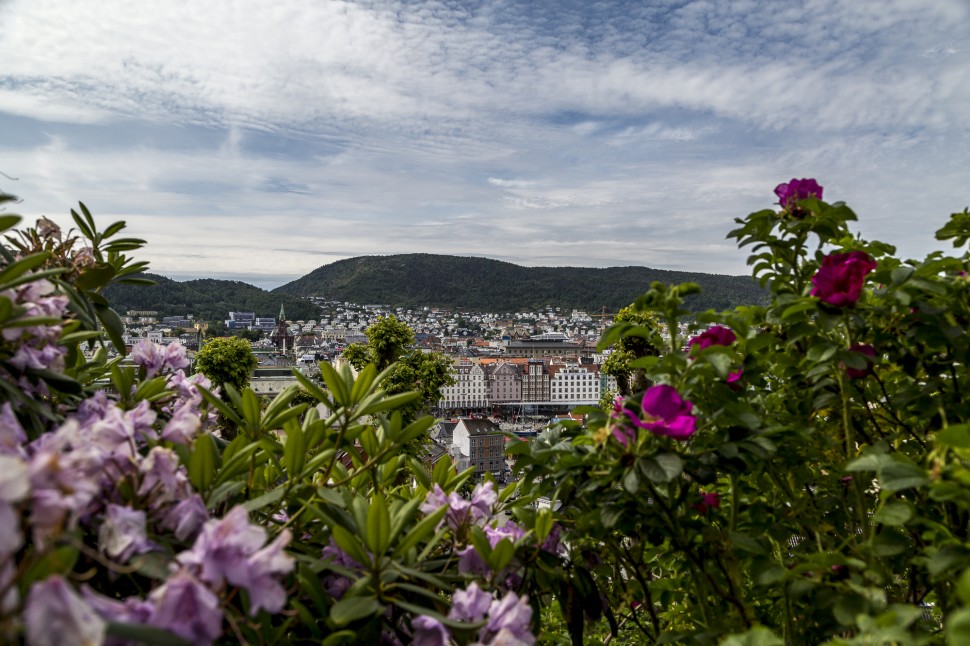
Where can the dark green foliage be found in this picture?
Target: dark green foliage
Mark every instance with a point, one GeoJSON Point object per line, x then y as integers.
{"type": "Point", "coordinates": [207, 299]}
{"type": "Point", "coordinates": [492, 286]}
{"type": "Point", "coordinates": [226, 361]}
{"type": "Point", "coordinates": [642, 340]}
{"type": "Point", "coordinates": [390, 341]}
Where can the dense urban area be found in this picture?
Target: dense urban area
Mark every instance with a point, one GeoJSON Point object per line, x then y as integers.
{"type": "Point", "coordinates": [512, 372]}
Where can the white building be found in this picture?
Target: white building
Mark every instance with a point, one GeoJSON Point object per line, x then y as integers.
{"type": "Point", "coordinates": [470, 389]}
{"type": "Point", "coordinates": [574, 383]}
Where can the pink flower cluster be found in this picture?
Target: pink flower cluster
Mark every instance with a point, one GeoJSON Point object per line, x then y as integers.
{"type": "Point", "coordinates": [717, 335]}
{"type": "Point", "coordinates": [797, 189]}
{"type": "Point", "coordinates": [37, 346]}
{"type": "Point", "coordinates": [105, 469]}
{"type": "Point", "coordinates": [839, 280]}
{"type": "Point", "coordinates": [508, 619]}
{"type": "Point", "coordinates": [662, 412]}
{"type": "Point", "coordinates": [461, 512]}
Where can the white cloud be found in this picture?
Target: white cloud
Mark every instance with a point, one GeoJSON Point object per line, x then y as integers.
{"type": "Point", "coordinates": [504, 129]}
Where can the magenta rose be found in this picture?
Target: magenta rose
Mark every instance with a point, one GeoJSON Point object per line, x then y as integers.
{"type": "Point", "coordinates": [840, 279]}
{"type": "Point", "coordinates": [797, 189]}
{"type": "Point", "coordinates": [707, 502]}
{"type": "Point", "coordinates": [663, 412]}
{"type": "Point", "coordinates": [869, 354]}
{"type": "Point", "coordinates": [716, 335]}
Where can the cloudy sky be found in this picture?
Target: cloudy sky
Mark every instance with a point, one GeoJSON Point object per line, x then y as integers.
{"type": "Point", "coordinates": [257, 141]}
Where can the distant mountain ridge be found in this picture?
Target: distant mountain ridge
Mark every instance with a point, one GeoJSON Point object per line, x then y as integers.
{"type": "Point", "coordinates": [207, 299]}
{"type": "Point", "coordinates": [483, 284]}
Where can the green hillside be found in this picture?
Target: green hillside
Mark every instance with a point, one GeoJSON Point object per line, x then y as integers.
{"type": "Point", "coordinates": [493, 286]}
{"type": "Point", "coordinates": [208, 299]}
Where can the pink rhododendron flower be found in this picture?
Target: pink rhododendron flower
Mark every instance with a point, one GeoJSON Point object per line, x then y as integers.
{"type": "Point", "coordinates": [509, 619]}
{"type": "Point", "coordinates": [797, 189]}
{"type": "Point", "coordinates": [715, 335]}
{"type": "Point", "coordinates": [12, 435]}
{"type": "Point", "coordinates": [470, 604]}
{"type": "Point", "coordinates": [869, 353]}
{"type": "Point", "coordinates": [460, 511]}
{"type": "Point", "coordinates": [123, 533]}
{"type": "Point", "coordinates": [132, 610]}
{"type": "Point", "coordinates": [187, 608]}
{"type": "Point", "coordinates": [186, 517]}
{"type": "Point", "coordinates": [428, 631]}
{"type": "Point", "coordinates": [663, 412]}
{"type": "Point", "coordinates": [158, 359]}
{"type": "Point", "coordinates": [231, 549]}
{"type": "Point", "coordinates": [56, 615]}
{"type": "Point", "coordinates": [839, 280]}
{"type": "Point", "coordinates": [184, 425]}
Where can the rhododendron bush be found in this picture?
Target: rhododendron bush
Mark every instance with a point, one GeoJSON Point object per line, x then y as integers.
{"type": "Point", "coordinates": [794, 473]}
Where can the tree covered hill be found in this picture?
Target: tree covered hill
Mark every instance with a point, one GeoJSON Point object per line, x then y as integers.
{"type": "Point", "coordinates": [208, 299]}
{"type": "Point", "coordinates": [482, 284]}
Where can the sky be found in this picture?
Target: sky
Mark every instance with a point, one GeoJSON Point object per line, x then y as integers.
{"type": "Point", "coordinates": [257, 141]}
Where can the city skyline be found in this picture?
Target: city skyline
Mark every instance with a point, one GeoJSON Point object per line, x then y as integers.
{"type": "Point", "coordinates": [256, 144]}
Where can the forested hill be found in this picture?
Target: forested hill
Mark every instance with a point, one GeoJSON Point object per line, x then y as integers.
{"type": "Point", "coordinates": [481, 284]}
{"type": "Point", "coordinates": [208, 299]}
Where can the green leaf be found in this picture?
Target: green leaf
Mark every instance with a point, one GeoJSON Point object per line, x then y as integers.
{"type": "Point", "coordinates": [424, 528]}
{"type": "Point", "coordinates": [890, 542]}
{"type": "Point", "coordinates": [631, 481]}
{"type": "Point", "coordinates": [757, 636]}
{"type": "Point", "coordinates": [543, 523]}
{"type": "Point", "coordinates": [501, 555]}
{"type": "Point", "coordinates": [721, 363]}
{"type": "Point", "coordinates": [662, 468]}
{"type": "Point", "coordinates": [956, 436]}
{"type": "Point", "coordinates": [8, 221]}
{"type": "Point", "coordinates": [294, 452]}
{"type": "Point", "coordinates": [442, 470]}
{"type": "Point", "coordinates": [894, 514]}
{"type": "Point", "coordinates": [335, 384]}
{"type": "Point", "coordinates": [748, 544]}
{"type": "Point", "coordinates": [22, 266]}
{"type": "Point", "coordinates": [420, 473]}
{"type": "Point", "coordinates": [963, 587]}
{"type": "Point", "coordinates": [349, 543]}
{"type": "Point", "coordinates": [113, 327]}
{"type": "Point", "coordinates": [390, 402]}
{"type": "Point", "coordinates": [203, 462]}
{"type": "Point", "coordinates": [958, 627]}
{"type": "Point", "coordinates": [351, 609]}
{"type": "Point", "coordinates": [897, 476]}
{"type": "Point", "coordinates": [58, 561]}
{"type": "Point", "coordinates": [144, 634]}
{"type": "Point", "coordinates": [270, 497]}
{"type": "Point", "coordinates": [378, 525]}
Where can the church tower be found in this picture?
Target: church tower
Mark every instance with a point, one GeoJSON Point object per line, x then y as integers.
{"type": "Point", "coordinates": [280, 336]}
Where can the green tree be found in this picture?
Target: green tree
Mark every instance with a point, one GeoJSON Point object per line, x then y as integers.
{"type": "Point", "coordinates": [391, 341]}
{"type": "Point", "coordinates": [226, 361]}
{"type": "Point", "coordinates": [388, 340]}
{"type": "Point", "coordinates": [643, 340]}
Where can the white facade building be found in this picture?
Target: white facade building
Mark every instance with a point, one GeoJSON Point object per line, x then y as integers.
{"type": "Point", "coordinates": [575, 383]}
{"type": "Point", "coordinates": [470, 389]}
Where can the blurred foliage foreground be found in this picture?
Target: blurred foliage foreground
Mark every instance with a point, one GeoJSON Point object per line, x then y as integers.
{"type": "Point", "coordinates": [795, 473]}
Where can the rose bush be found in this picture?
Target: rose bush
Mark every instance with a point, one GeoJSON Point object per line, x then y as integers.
{"type": "Point", "coordinates": [821, 496]}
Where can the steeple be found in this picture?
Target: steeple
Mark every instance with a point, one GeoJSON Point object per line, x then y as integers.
{"type": "Point", "coordinates": [282, 317]}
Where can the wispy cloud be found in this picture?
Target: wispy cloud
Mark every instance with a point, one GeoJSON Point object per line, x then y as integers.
{"type": "Point", "coordinates": [608, 133]}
